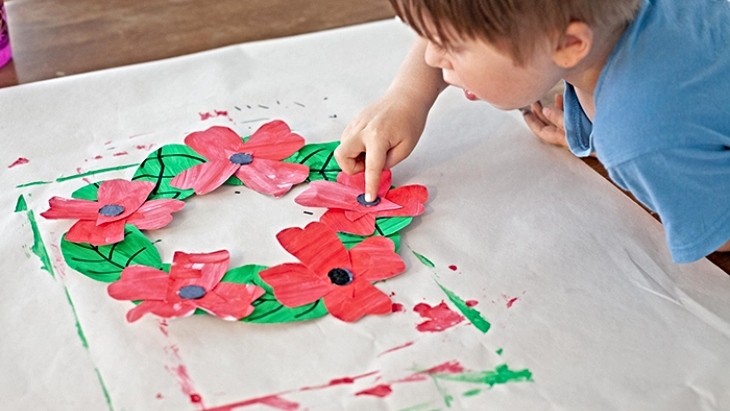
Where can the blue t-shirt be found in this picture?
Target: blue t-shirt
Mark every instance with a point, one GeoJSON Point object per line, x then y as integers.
{"type": "Point", "coordinates": [662, 122]}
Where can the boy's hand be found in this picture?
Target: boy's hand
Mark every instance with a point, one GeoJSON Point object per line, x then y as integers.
{"type": "Point", "coordinates": [381, 136]}
{"type": "Point", "coordinates": [547, 122]}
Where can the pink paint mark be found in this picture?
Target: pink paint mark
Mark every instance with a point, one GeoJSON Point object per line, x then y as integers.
{"type": "Point", "coordinates": [408, 344]}
{"type": "Point", "coordinates": [121, 153]}
{"type": "Point", "coordinates": [471, 303]}
{"type": "Point", "coordinates": [58, 259]}
{"type": "Point", "coordinates": [439, 317]}
{"type": "Point", "coordinates": [511, 301]}
{"type": "Point", "coordinates": [78, 170]}
{"type": "Point", "coordinates": [162, 325]}
{"type": "Point", "coordinates": [107, 143]}
{"type": "Point", "coordinates": [338, 381]}
{"type": "Point", "coordinates": [398, 308]}
{"type": "Point", "coordinates": [412, 378]}
{"type": "Point", "coordinates": [382, 390]}
{"type": "Point", "coordinates": [158, 396]}
{"type": "Point", "coordinates": [449, 367]}
{"type": "Point", "coordinates": [145, 147]}
{"type": "Point", "coordinates": [273, 401]}
{"type": "Point", "coordinates": [186, 383]}
{"type": "Point", "coordinates": [453, 268]}
{"type": "Point", "coordinates": [86, 180]}
{"type": "Point", "coordinates": [98, 157]}
{"type": "Point", "coordinates": [19, 162]}
{"type": "Point", "coordinates": [392, 294]}
{"type": "Point", "coordinates": [195, 398]}
{"type": "Point", "coordinates": [214, 114]}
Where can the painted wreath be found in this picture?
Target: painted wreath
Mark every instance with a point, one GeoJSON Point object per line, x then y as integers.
{"type": "Point", "coordinates": [353, 245]}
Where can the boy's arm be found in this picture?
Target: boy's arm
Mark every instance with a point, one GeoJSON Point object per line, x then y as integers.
{"type": "Point", "coordinates": [387, 131]}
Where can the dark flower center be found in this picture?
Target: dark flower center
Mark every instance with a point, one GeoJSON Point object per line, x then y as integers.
{"type": "Point", "coordinates": [191, 292]}
{"type": "Point", "coordinates": [361, 200]}
{"type": "Point", "coordinates": [241, 159]}
{"type": "Point", "coordinates": [111, 210]}
{"type": "Point", "coordinates": [340, 276]}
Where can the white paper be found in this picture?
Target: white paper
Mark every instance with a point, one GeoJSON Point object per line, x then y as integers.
{"type": "Point", "coordinates": [602, 319]}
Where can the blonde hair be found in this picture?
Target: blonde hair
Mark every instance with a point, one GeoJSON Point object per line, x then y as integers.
{"type": "Point", "coordinates": [513, 25]}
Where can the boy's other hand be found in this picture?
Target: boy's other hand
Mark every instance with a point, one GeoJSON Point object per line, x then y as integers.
{"type": "Point", "coordinates": [547, 122]}
{"type": "Point", "coordinates": [380, 137]}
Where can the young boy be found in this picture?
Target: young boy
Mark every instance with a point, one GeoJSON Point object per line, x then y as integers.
{"type": "Point", "coordinates": [646, 89]}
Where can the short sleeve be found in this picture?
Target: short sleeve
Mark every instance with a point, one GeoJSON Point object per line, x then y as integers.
{"type": "Point", "coordinates": [690, 190]}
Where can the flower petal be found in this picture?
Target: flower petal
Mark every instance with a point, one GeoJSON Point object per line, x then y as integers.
{"type": "Point", "coordinates": [85, 231]}
{"type": "Point", "coordinates": [272, 177]}
{"type": "Point", "coordinates": [273, 141]}
{"type": "Point", "coordinates": [128, 194]}
{"type": "Point", "coordinates": [295, 285]}
{"type": "Point", "coordinates": [329, 194]}
{"type": "Point", "coordinates": [215, 143]}
{"type": "Point", "coordinates": [139, 282]}
{"type": "Point", "coordinates": [203, 269]}
{"type": "Point", "coordinates": [336, 220]}
{"type": "Point", "coordinates": [155, 214]}
{"type": "Point", "coordinates": [162, 309]}
{"type": "Point", "coordinates": [230, 301]}
{"type": "Point", "coordinates": [374, 259]}
{"type": "Point", "coordinates": [358, 181]}
{"type": "Point", "coordinates": [410, 197]}
{"type": "Point", "coordinates": [71, 208]}
{"type": "Point", "coordinates": [205, 177]}
{"type": "Point", "coordinates": [366, 299]}
{"type": "Point", "coordinates": [316, 246]}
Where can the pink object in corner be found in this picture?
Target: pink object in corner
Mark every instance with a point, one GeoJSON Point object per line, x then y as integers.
{"type": "Point", "coordinates": [5, 53]}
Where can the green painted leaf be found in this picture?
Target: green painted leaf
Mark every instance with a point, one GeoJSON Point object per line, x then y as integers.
{"type": "Point", "coordinates": [267, 308]}
{"type": "Point", "coordinates": [105, 263]}
{"type": "Point", "coordinates": [320, 160]}
{"type": "Point", "coordinates": [88, 192]}
{"type": "Point", "coordinates": [390, 225]}
{"type": "Point", "coordinates": [161, 166]}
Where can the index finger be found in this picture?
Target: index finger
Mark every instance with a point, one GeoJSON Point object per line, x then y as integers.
{"type": "Point", "coordinates": [374, 164]}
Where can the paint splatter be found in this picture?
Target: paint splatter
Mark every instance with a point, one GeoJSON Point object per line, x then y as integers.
{"type": "Point", "coordinates": [499, 351]}
{"type": "Point", "coordinates": [19, 162]}
{"type": "Point", "coordinates": [33, 183]}
{"type": "Point", "coordinates": [98, 157]}
{"type": "Point", "coordinates": [39, 247]}
{"type": "Point", "coordinates": [449, 367]}
{"type": "Point", "coordinates": [273, 401]}
{"type": "Point", "coordinates": [471, 313]}
{"type": "Point", "coordinates": [144, 147]}
{"type": "Point", "coordinates": [121, 153]}
{"type": "Point", "coordinates": [425, 261]}
{"type": "Point", "coordinates": [382, 390]}
{"type": "Point", "coordinates": [471, 303]}
{"type": "Point", "coordinates": [214, 114]}
{"type": "Point", "coordinates": [158, 396]}
{"type": "Point", "coordinates": [453, 267]}
{"type": "Point", "coordinates": [439, 317]}
{"type": "Point", "coordinates": [511, 301]}
{"type": "Point", "coordinates": [500, 375]}
{"type": "Point", "coordinates": [339, 381]}
{"type": "Point", "coordinates": [186, 383]}
{"type": "Point", "coordinates": [195, 398]}
{"type": "Point", "coordinates": [399, 347]}
{"type": "Point", "coordinates": [398, 308]}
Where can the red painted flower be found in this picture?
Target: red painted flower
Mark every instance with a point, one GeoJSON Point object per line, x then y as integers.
{"type": "Point", "coordinates": [328, 270]}
{"type": "Point", "coordinates": [350, 213]}
{"type": "Point", "coordinates": [193, 282]}
{"type": "Point", "coordinates": [119, 202]}
{"type": "Point", "coordinates": [256, 162]}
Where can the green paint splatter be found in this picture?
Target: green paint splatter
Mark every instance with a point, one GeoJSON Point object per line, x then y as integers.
{"type": "Point", "coordinates": [501, 375]}
{"type": "Point", "coordinates": [469, 312]}
{"type": "Point", "coordinates": [103, 388]}
{"type": "Point", "coordinates": [500, 351]}
{"type": "Point", "coordinates": [472, 393]}
{"type": "Point", "coordinates": [39, 248]}
{"type": "Point", "coordinates": [33, 183]}
{"type": "Point", "coordinates": [94, 172]}
{"type": "Point", "coordinates": [425, 261]}
{"type": "Point", "coordinates": [21, 205]}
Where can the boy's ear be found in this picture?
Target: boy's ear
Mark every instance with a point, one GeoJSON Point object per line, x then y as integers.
{"type": "Point", "coordinates": [573, 45]}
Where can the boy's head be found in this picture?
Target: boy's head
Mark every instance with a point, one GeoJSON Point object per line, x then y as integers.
{"type": "Point", "coordinates": [513, 26]}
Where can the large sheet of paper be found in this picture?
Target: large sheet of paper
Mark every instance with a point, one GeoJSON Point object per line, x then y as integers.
{"type": "Point", "coordinates": [586, 309]}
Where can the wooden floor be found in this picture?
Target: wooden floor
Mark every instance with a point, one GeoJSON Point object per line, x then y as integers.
{"type": "Point", "coordinates": [53, 38]}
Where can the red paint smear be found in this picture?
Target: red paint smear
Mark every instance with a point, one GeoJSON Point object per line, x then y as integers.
{"type": "Point", "coordinates": [107, 143]}
{"type": "Point", "coordinates": [471, 303]}
{"type": "Point", "coordinates": [450, 367]}
{"type": "Point", "coordinates": [158, 396]}
{"type": "Point", "coordinates": [98, 157]}
{"type": "Point", "coordinates": [338, 381]}
{"type": "Point", "coordinates": [162, 325]}
{"type": "Point", "coordinates": [145, 147]}
{"type": "Point", "coordinates": [397, 308]}
{"type": "Point", "coordinates": [453, 268]}
{"type": "Point", "coordinates": [86, 180]}
{"type": "Point", "coordinates": [439, 317]}
{"type": "Point", "coordinates": [408, 344]}
{"type": "Point", "coordinates": [273, 401]}
{"type": "Point", "coordinates": [195, 399]}
{"type": "Point", "coordinates": [511, 301]}
{"type": "Point", "coordinates": [121, 153]}
{"type": "Point", "coordinates": [215, 113]}
{"type": "Point", "coordinates": [382, 390]}
{"type": "Point", "coordinates": [412, 378]}
{"type": "Point", "coordinates": [19, 162]}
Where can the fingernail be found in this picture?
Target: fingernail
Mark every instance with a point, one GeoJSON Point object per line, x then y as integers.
{"type": "Point", "coordinates": [368, 198]}
{"type": "Point", "coordinates": [547, 110]}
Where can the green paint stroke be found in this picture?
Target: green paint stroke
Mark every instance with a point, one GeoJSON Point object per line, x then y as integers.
{"type": "Point", "coordinates": [79, 331]}
{"type": "Point", "coordinates": [94, 172]}
{"type": "Point", "coordinates": [33, 183]}
{"type": "Point", "coordinates": [469, 312]}
{"type": "Point", "coordinates": [103, 388]}
{"type": "Point", "coordinates": [501, 375]}
{"type": "Point", "coordinates": [21, 205]}
{"type": "Point", "coordinates": [472, 393]}
{"type": "Point", "coordinates": [425, 261]}
{"type": "Point", "coordinates": [39, 248]}
{"type": "Point", "coordinates": [500, 351]}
